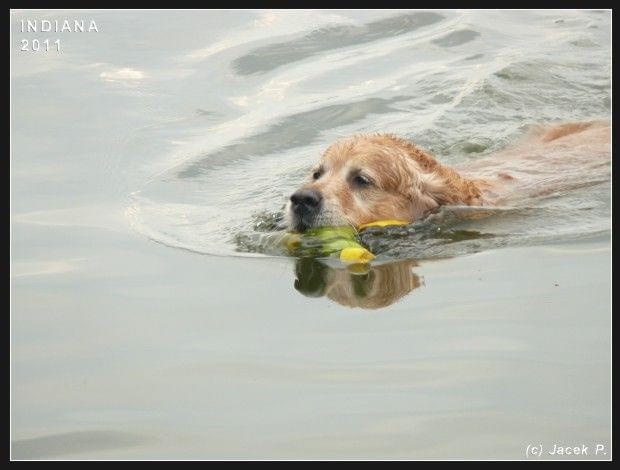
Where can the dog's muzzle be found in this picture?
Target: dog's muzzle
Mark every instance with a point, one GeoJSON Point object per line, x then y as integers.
{"type": "Point", "coordinates": [305, 206]}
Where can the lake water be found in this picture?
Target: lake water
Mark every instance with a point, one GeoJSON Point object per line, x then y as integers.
{"type": "Point", "coordinates": [149, 317]}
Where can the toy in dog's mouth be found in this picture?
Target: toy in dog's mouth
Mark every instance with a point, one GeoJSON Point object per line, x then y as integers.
{"type": "Point", "coordinates": [334, 241]}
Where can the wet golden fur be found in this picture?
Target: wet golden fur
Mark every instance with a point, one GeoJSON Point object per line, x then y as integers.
{"type": "Point", "coordinates": [406, 182]}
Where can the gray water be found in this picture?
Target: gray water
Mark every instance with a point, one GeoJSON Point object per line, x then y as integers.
{"type": "Point", "coordinates": [144, 149]}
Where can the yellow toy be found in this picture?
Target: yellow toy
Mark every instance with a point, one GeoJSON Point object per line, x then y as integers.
{"type": "Point", "coordinates": [330, 240]}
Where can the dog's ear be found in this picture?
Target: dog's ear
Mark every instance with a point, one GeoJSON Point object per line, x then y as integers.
{"type": "Point", "coordinates": [447, 186]}
{"type": "Point", "coordinates": [424, 192]}
{"type": "Point", "coordinates": [437, 187]}
{"type": "Point", "coordinates": [429, 185]}
{"type": "Point", "coordinates": [441, 183]}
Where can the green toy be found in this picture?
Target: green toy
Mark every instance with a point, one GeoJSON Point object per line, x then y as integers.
{"type": "Point", "coordinates": [322, 241]}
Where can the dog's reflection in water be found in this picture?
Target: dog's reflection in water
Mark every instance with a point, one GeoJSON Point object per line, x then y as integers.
{"type": "Point", "coordinates": [363, 286]}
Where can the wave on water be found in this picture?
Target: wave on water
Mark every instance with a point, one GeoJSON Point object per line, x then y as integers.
{"type": "Point", "coordinates": [462, 85]}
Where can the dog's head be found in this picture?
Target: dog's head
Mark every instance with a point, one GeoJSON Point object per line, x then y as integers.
{"type": "Point", "coordinates": [368, 178]}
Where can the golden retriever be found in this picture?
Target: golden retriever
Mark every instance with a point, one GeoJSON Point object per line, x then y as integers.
{"type": "Point", "coordinates": [367, 178]}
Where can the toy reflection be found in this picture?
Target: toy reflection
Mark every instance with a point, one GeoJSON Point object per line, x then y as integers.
{"type": "Point", "coordinates": [362, 286]}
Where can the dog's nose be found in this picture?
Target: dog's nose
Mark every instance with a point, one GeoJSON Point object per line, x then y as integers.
{"type": "Point", "coordinates": [306, 200]}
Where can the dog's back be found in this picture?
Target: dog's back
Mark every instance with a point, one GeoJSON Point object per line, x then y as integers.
{"type": "Point", "coordinates": [548, 160]}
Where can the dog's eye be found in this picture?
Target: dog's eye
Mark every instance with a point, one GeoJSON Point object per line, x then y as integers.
{"type": "Point", "coordinates": [361, 180]}
{"type": "Point", "coordinates": [316, 175]}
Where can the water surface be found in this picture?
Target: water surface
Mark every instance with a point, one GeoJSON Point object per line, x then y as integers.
{"type": "Point", "coordinates": [143, 150]}
{"type": "Point", "coordinates": [463, 85]}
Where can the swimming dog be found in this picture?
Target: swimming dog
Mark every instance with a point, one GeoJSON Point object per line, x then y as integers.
{"type": "Point", "coordinates": [373, 177]}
